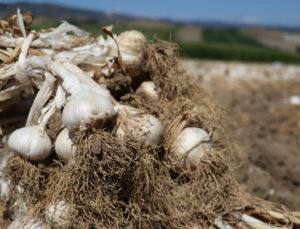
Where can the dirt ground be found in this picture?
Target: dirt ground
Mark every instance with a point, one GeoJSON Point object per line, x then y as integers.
{"type": "Point", "coordinates": [262, 100]}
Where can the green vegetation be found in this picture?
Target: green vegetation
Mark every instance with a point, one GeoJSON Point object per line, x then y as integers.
{"type": "Point", "coordinates": [222, 44]}
{"type": "Point", "coordinates": [229, 36]}
{"type": "Point", "coordinates": [241, 53]}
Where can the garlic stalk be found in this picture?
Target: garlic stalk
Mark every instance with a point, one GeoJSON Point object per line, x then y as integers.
{"type": "Point", "coordinates": [59, 37]}
{"type": "Point", "coordinates": [255, 223]}
{"type": "Point", "coordinates": [21, 22]}
{"type": "Point", "coordinates": [41, 98]}
{"type": "Point", "coordinates": [64, 146]}
{"type": "Point", "coordinates": [189, 146]}
{"type": "Point", "coordinates": [148, 90]}
{"type": "Point", "coordinates": [138, 125]}
{"type": "Point", "coordinates": [21, 75]}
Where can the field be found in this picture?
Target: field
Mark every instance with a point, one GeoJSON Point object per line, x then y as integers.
{"type": "Point", "coordinates": [259, 100]}
{"type": "Point", "coordinates": [205, 43]}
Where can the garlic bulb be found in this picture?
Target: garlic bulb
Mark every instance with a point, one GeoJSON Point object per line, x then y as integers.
{"type": "Point", "coordinates": [64, 147]}
{"type": "Point", "coordinates": [138, 125]}
{"type": "Point", "coordinates": [86, 109]}
{"type": "Point", "coordinates": [58, 213]}
{"type": "Point", "coordinates": [27, 222]}
{"type": "Point", "coordinates": [132, 46]}
{"type": "Point", "coordinates": [190, 145]}
{"type": "Point", "coordinates": [148, 90]}
{"type": "Point", "coordinates": [31, 142]}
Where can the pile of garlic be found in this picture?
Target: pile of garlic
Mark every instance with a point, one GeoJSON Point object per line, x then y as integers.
{"type": "Point", "coordinates": [63, 65]}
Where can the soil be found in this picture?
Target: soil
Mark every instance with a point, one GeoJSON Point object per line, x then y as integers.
{"type": "Point", "coordinates": [267, 124]}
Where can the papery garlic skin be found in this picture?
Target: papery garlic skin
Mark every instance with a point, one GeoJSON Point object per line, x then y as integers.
{"type": "Point", "coordinates": [58, 213]}
{"type": "Point", "coordinates": [31, 142]}
{"type": "Point", "coordinates": [132, 46]}
{"type": "Point", "coordinates": [190, 145]}
{"type": "Point", "coordinates": [140, 126]}
{"type": "Point", "coordinates": [86, 109]}
{"type": "Point", "coordinates": [148, 90]}
{"type": "Point", "coordinates": [64, 146]}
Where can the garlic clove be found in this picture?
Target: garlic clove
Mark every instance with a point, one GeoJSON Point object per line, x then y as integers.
{"type": "Point", "coordinates": [139, 125]}
{"type": "Point", "coordinates": [64, 147]}
{"type": "Point", "coordinates": [190, 145]}
{"type": "Point", "coordinates": [132, 46]}
{"type": "Point", "coordinates": [31, 142]}
{"type": "Point", "coordinates": [58, 213]}
{"type": "Point", "coordinates": [86, 109]}
{"type": "Point", "coordinates": [149, 90]}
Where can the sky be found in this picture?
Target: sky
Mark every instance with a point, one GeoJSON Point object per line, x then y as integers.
{"type": "Point", "coordinates": [271, 12]}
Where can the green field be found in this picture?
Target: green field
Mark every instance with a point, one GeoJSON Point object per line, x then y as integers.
{"type": "Point", "coordinates": [222, 44]}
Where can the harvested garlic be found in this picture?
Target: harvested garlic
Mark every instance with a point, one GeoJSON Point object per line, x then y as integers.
{"type": "Point", "coordinates": [87, 109]}
{"type": "Point", "coordinates": [28, 222]}
{"type": "Point", "coordinates": [64, 147]}
{"type": "Point", "coordinates": [89, 103]}
{"type": "Point", "coordinates": [190, 145]}
{"type": "Point", "coordinates": [58, 213]}
{"type": "Point", "coordinates": [148, 90]}
{"type": "Point", "coordinates": [138, 125]}
{"type": "Point", "coordinates": [132, 46]}
{"type": "Point", "coordinates": [32, 142]}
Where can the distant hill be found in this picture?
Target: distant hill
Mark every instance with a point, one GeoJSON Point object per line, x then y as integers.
{"type": "Point", "coordinates": [275, 39]}
{"type": "Point", "coordinates": [47, 10]}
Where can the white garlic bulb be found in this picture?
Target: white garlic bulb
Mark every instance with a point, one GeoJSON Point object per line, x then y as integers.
{"type": "Point", "coordinates": [64, 147]}
{"type": "Point", "coordinates": [30, 142]}
{"type": "Point", "coordinates": [190, 145]}
{"type": "Point", "coordinates": [149, 90]}
{"type": "Point", "coordinates": [138, 125]}
{"type": "Point", "coordinates": [58, 213]}
{"type": "Point", "coordinates": [27, 222]}
{"type": "Point", "coordinates": [86, 109]}
{"type": "Point", "coordinates": [132, 46]}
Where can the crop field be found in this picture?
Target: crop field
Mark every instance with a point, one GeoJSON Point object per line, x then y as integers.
{"type": "Point", "coordinates": [224, 44]}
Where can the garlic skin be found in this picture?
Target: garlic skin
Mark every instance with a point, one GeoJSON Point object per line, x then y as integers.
{"type": "Point", "coordinates": [86, 109]}
{"type": "Point", "coordinates": [30, 142]}
{"type": "Point", "coordinates": [188, 147]}
{"type": "Point", "coordinates": [64, 147]}
{"type": "Point", "coordinates": [139, 125]}
{"type": "Point", "coordinates": [132, 46]}
{"type": "Point", "coordinates": [149, 90]}
{"type": "Point", "coordinates": [58, 213]}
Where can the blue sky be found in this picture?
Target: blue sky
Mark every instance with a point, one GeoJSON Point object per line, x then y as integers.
{"type": "Point", "coordinates": [284, 12]}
